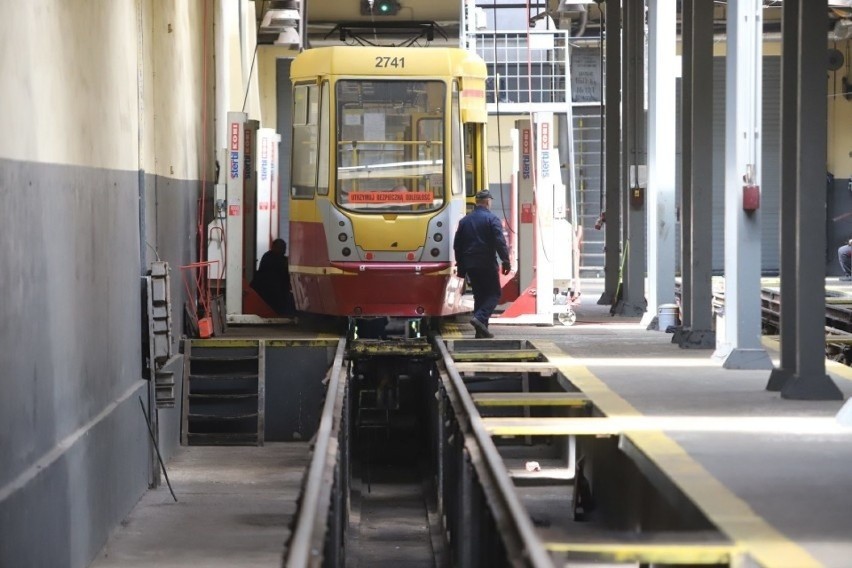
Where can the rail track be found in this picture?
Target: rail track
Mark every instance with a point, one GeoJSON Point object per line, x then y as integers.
{"type": "Point", "coordinates": [498, 459]}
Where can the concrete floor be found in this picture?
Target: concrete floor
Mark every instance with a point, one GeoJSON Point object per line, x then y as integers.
{"type": "Point", "coordinates": [235, 506]}
{"type": "Point", "coordinates": [775, 472]}
{"type": "Point", "coordinates": [759, 466]}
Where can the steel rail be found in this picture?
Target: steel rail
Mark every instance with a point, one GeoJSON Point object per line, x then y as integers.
{"type": "Point", "coordinates": [533, 552]}
{"type": "Point", "coordinates": [306, 546]}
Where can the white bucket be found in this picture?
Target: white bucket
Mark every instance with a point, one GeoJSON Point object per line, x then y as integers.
{"type": "Point", "coordinates": [667, 316]}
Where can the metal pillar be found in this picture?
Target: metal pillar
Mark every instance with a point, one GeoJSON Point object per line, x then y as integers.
{"type": "Point", "coordinates": [632, 292]}
{"type": "Point", "coordinates": [789, 156]}
{"type": "Point", "coordinates": [810, 382]}
{"type": "Point", "coordinates": [612, 236]}
{"type": "Point", "coordinates": [739, 346]}
{"type": "Point", "coordinates": [697, 219]}
{"type": "Point", "coordinates": [661, 157]}
{"type": "Point", "coordinates": [686, 207]}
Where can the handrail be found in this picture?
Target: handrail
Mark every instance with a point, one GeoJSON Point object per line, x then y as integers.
{"type": "Point", "coordinates": [309, 534]}
{"type": "Point", "coordinates": [533, 553]}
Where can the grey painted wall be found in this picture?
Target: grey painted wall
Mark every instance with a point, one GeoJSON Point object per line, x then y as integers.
{"type": "Point", "coordinates": [74, 445]}
{"type": "Point", "coordinates": [72, 436]}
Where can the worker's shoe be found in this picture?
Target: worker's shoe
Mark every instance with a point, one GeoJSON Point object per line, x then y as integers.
{"type": "Point", "coordinates": [846, 278]}
{"type": "Point", "coordinates": [481, 329]}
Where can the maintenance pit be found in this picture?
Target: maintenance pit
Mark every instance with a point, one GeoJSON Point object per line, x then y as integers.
{"type": "Point", "coordinates": [475, 453]}
{"type": "Point", "coordinates": [445, 479]}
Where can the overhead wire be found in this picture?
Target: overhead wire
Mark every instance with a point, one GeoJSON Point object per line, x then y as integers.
{"type": "Point", "coordinates": [204, 119]}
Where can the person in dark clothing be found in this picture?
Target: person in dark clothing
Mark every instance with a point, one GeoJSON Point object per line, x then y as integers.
{"type": "Point", "coordinates": [272, 279]}
{"type": "Point", "coordinates": [478, 242]}
{"type": "Point", "coordinates": [844, 255]}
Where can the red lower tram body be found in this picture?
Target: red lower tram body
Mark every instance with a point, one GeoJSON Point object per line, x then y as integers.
{"type": "Point", "coordinates": [364, 288]}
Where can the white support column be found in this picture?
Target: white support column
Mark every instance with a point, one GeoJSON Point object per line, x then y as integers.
{"type": "Point", "coordinates": [739, 346]}
{"type": "Point", "coordinates": [661, 156]}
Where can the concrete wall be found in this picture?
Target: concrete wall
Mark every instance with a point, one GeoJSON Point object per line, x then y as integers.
{"type": "Point", "coordinates": [99, 168]}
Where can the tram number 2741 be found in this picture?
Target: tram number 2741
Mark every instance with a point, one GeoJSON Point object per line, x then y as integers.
{"type": "Point", "coordinates": [396, 62]}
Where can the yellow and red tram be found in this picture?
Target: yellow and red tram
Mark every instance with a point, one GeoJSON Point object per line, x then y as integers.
{"type": "Point", "coordinates": [388, 143]}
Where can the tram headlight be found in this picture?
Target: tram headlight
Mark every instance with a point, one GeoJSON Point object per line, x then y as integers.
{"type": "Point", "coordinates": [434, 252]}
{"type": "Point", "coordinates": [438, 237]}
{"type": "Point", "coordinates": [342, 237]}
{"type": "Point", "coordinates": [346, 251]}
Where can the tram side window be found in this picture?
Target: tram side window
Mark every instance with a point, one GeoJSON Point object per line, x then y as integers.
{"type": "Point", "coordinates": [322, 174]}
{"type": "Point", "coordinates": [472, 166]}
{"type": "Point", "coordinates": [459, 180]}
{"type": "Point", "coordinates": [305, 139]}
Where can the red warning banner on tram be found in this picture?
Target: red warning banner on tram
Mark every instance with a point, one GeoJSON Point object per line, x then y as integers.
{"type": "Point", "coordinates": [391, 197]}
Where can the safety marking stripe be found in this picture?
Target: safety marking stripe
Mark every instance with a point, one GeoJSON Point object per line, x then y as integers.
{"type": "Point", "coordinates": [680, 553]}
{"type": "Point", "coordinates": [320, 340]}
{"type": "Point", "coordinates": [839, 370]}
{"type": "Point", "coordinates": [319, 270]}
{"type": "Point", "coordinates": [223, 343]}
{"type": "Point", "coordinates": [451, 331]}
{"type": "Point", "coordinates": [729, 513]}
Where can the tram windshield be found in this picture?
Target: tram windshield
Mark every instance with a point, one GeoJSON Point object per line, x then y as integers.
{"type": "Point", "coordinates": [390, 145]}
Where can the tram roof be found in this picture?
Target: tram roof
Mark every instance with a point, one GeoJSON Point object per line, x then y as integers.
{"type": "Point", "coordinates": [387, 61]}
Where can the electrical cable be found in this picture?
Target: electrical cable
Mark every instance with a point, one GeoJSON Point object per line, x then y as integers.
{"type": "Point", "coordinates": [499, 129]}
{"type": "Point", "coordinates": [157, 448]}
{"type": "Point", "coordinates": [200, 235]}
{"type": "Point", "coordinates": [150, 246]}
{"type": "Point", "coordinates": [253, 58]}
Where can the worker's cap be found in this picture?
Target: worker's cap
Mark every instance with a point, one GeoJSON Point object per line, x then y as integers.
{"type": "Point", "coordinates": [484, 194]}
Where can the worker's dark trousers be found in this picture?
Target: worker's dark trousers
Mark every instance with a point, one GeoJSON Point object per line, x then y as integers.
{"type": "Point", "coordinates": [844, 255]}
{"type": "Point", "coordinates": [486, 291]}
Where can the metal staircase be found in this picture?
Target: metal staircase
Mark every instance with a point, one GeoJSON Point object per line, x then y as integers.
{"type": "Point", "coordinates": [531, 71]}
{"type": "Point", "coordinates": [587, 171]}
{"type": "Point", "coordinates": [223, 394]}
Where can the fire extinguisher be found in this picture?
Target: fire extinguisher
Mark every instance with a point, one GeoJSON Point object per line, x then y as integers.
{"type": "Point", "coordinates": [751, 191]}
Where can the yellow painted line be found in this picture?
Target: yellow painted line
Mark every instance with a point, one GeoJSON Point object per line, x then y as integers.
{"type": "Point", "coordinates": [451, 331]}
{"type": "Point", "coordinates": [225, 343]}
{"type": "Point", "coordinates": [320, 270]}
{"type": "Point", "coordinates": [610, 425]}
{"type": "Point", "coordinates": [506, 355]}
{"type": "Point", "coordinates": [675, 553]}
{"type": "Point", "coordinates": [529, 399]}
{"type": "Point", "coordinates": [505, 367]}
{"type": "Point", "coordinates": [837, 370]}
{"type": "Point", "coordinates": [321, 340]}
{"type": "Point", "coordinates": [729, 513]}
{"type": "Point", "coordinates": [328, 336]}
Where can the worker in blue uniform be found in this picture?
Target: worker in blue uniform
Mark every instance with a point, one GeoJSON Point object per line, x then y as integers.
{"type": "Point", "coordinates": [844, 255]}
{"type": "Point", "coordinates": [478, 242]}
